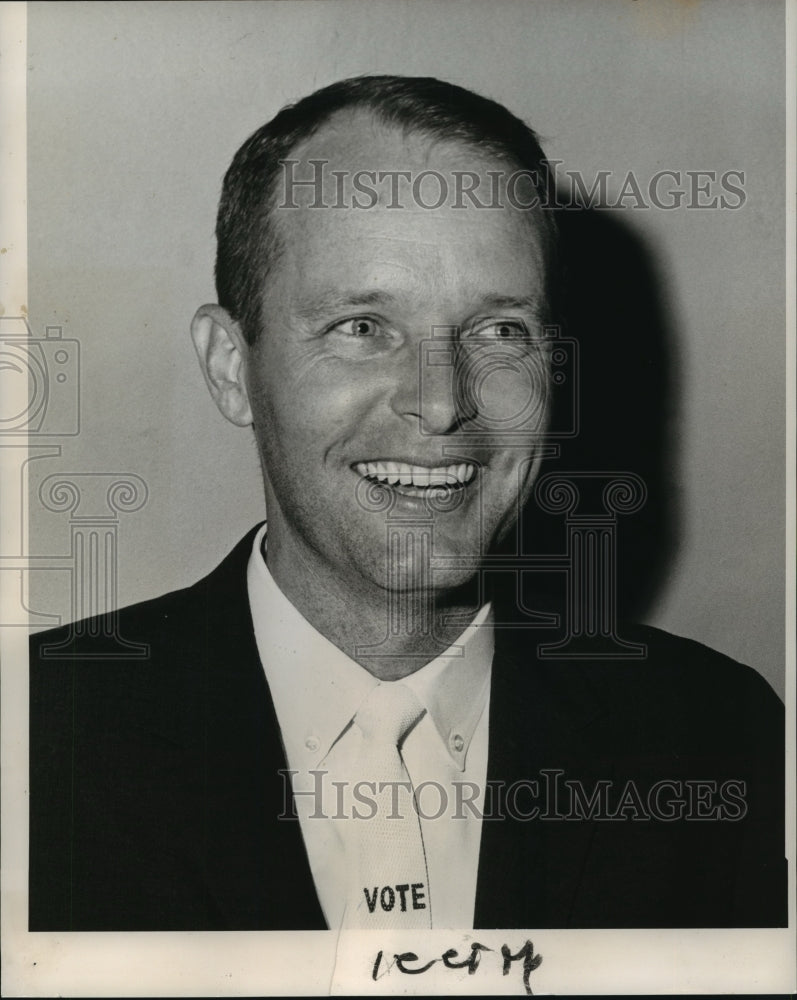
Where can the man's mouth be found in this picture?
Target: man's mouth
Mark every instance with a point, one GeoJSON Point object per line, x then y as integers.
{"type": "Point", "coordinates": [415, 480]}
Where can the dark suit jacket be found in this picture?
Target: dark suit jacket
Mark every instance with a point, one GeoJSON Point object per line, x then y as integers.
{"type": "Point", "coordinates": [155, 784]}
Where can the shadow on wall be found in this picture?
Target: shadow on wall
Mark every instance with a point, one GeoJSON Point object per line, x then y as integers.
{"type": "Point", "coordinates": [611, 305]}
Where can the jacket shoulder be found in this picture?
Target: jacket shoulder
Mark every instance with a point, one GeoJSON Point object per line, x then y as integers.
{"type": "Point", "coordinates": [118, 634]}
{"type": "Point", "coordinates": [689, 673]}
{"type": "Point", "coordinates": [677, 693]}
{"type": "Point", "coordinates": [160, 627]}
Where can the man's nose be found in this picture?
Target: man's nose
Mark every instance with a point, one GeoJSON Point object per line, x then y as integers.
{"type": "Point", "coordinates": [429, 390]}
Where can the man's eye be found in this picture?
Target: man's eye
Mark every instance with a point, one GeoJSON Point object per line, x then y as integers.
{"type": "Point", "coordinates": [502, 330]}
{"type": "Point", "coordinates": [360, 326]}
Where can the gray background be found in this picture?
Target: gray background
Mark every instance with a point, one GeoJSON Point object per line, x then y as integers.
{"type": "Point", "coordinates": [135, 111]}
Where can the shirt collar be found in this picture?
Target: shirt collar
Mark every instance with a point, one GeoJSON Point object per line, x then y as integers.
{"type": "Point", "coordinates": [317, 689]}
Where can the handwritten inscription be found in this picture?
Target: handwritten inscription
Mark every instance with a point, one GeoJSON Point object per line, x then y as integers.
{"type": "Point", "coordinates": [406, 962]}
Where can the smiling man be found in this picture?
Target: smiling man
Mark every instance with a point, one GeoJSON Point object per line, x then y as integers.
{"type": "Point", "coordinates": [336, 378]}
{"type": "Point", "coordinates": [332, 729]}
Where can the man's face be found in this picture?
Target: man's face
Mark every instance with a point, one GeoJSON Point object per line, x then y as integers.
{"type": "Point", "coordinates": [398, 368]}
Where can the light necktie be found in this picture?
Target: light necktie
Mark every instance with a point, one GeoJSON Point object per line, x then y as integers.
{"type": "Point", "coordinates": [388, 880]}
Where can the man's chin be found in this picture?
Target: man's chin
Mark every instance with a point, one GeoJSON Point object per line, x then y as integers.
{"type": "Point", "coordinates": [436, 578]}
{"type": "Point", "coordinates": [409, 557]}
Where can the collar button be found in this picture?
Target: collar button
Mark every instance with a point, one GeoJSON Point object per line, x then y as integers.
{"type": "Point", "coordinates": [456, 743]}
{"type": "Point", "coordinates": [312, 743]}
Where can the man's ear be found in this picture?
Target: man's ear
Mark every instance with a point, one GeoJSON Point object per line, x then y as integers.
{"type": "Point", "coordinates": [222, 352]}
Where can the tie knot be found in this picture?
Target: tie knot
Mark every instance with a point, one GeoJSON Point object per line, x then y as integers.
{"type": "Point", "coordinates": [388, 713]}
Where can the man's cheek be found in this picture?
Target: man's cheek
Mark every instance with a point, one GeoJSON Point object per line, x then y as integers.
{"type": "Point", "coordinates": [504, 385]}
{"type": "Point", "coordinates": [333, 411]}
{"type": "Point", "coordinates": [517, 403]}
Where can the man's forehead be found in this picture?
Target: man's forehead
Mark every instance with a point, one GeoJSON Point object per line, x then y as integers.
{"type": "Point", "coordinates": [359, 139]}
{"type": "Point", "coordinates": [359, 174]}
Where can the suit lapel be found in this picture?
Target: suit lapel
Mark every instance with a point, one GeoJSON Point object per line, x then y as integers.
{"type": "Point", "coordinates": [530, 870]}
{"type": "Point", "coordinates": [256, 870]}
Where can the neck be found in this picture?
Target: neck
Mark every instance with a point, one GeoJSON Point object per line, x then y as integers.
{"type": "Point", "coordinates": [391, 633]}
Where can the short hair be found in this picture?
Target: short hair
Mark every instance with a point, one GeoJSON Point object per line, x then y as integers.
{"type": "Point", "coordinates": [246, 239]}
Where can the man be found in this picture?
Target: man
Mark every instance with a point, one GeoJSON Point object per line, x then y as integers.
{"type": "Point", "coordinates": [386, 272]}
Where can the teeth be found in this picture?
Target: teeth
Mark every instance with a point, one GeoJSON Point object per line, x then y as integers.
{"type": "Point", "coordinates": [419, 476]}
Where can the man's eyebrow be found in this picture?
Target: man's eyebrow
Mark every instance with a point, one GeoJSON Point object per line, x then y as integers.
{"type": "Point", "coordinates": [524, 303]}
{"type": "Point", "coordinates": [332, 302]}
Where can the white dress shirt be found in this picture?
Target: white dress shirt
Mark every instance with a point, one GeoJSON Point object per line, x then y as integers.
{"type": "Point", "coordinates": [317, 689]}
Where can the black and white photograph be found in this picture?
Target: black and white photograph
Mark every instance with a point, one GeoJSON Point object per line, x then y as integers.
{"type": "Point", "coordinates": [397, 456]}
